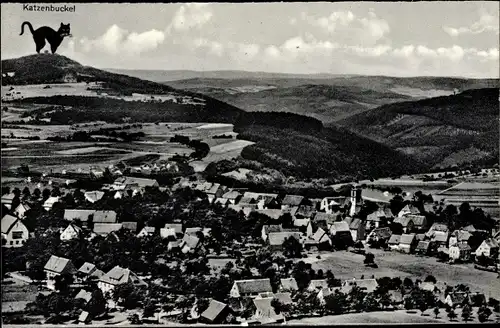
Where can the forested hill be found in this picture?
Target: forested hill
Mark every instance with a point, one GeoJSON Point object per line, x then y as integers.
{"type": "Point", "coordinates": [291, 143]}
{"type": "Point", "coordinates": [443, 131]}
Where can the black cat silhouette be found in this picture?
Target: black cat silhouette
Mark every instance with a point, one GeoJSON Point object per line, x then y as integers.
{"type": "Point", "coordinates": [46, 33]}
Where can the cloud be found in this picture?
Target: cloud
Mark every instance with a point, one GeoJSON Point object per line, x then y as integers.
{"type": "Point", "coordinates": [486, 23]}
{"type": "Point", "coordinates": [349, 28]}
{"type": "Point", "coordinates": [118, 41]}
{"type": "Point", "coordinates": [190, 16]}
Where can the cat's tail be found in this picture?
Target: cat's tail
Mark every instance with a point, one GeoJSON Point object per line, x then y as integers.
{"type": "Point", "coordinates": [29, 25]}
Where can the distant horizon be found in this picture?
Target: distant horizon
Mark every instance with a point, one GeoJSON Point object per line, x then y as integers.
{"type": "Point", "coordinates": [397, 39]}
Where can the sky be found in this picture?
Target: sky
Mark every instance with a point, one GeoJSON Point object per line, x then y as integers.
{"type": "Point", "coordinates": [369, 38]}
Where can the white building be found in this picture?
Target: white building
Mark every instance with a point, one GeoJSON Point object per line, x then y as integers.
{"type": "Point", "coordinates": [14, 232]}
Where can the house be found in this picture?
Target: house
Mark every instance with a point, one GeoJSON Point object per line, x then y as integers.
{"type": "Point", "coordinates": [274, 214]}
{"type": "Point", "coordinates": [304, 225]}
{"type": "Point", "coordinates": [407, 243]}
{"type": "Point", "coordinates": [84, 318]}
{"type": "Point", "coordinates": [408, 209]}
{"type": "Point", "coordinates": [267, 229]}
{"type": "Point", "coordinates": [250, 288]}
{"type": "Point", "coordinates": [232, 196]}
{"type": "Point", "coordinates": [14, 232]}
{"type": "Point", "coordinates": [291, 201]}
{"type": "Point", "coordinates": [7, 200]}
{"type": "Point", "coordinates": [321, 237]}
{"type": "Point", "coordinates": [47, 205]}
{"type": "Point", "coordinates": [440, 238]}
{"type": "Point", "coordinates": [21, 209]}
{"type": "Point", "coordinates": [357, 228]}
{"type": "Point", "coordinates": [406, 223]}
{"type": "Point", "coordinates": [275, 240]}
{"type": "Point", "coordinates": [262, 200]}
{"type": "Point", "coordinates": [394, 242]}
{"type": "Point", "coordinates": [316, 285]}
{"type": "Point", "coordinates": [131, 226]}
{"type": "Point", "coordinates": [324, 292]}
{"type": "Point", "coordinates": [283, 297]}
{"type": "Point", "coordinates": [189, 243]}
{"type": "Point", "coordinates": [288, 285]}
{"type": "Point", "coordinates": [222, 201]}
{"type": "Point", "coordinates": [459, 236]}
{"type": "Point", "coordinates": [419, 221]}
{"type": "Point", "coordinates": [93, 196]}
{"type": "Point", "coordinates": [488, 248]}
{"type": "Point", "coordinates": [176, 226]}
{"type": "Point", "coordinates": [105, 229]}
{"type": "Point", "coordinates": [331, 204]}
{"type": "Point", "coordinates": [457, 299]}
{"type": "Point", "coordinates": [305, 211]}
{"type": "Point", "coordinates": [118, 276]}
{"type": "Point", "coordinates": [248, 202]}
{"type": "Point", "coordinates": [104, 217]}
{"type": "Point", "coordinates": [339, 228]}
{"type": "Point", "coordinates": [216, 313]}
{"type": "Point", "coordinates": [173, 245]}
{"type": "Point", "coordinates": [88, 271]}
{"type": "Point", "coordinates": [423, 248]}
{"type": "Point", "coordinates": [72, 231]}
{"type": "Point", "coordinates": [146, 231]}
{"type": "Point", "coordinates": [212, 190]}
{"type": "Point", "coordinates": [78, 215]}
{"type": "Point", "coordinates": [141, 183]}
{"type": "Point", "coordinates": [84, 295]}
{"type": "Point", "coordinates": [216, 264]}
{"type": "Point", "coordinates": [265, 313]}
{"type": "Point", "coordinates": [328, 217]}
{"type": "Point", "coordinates": [367, 285]}
{"type": "Point", "coordinates": [57, 266]}
{"type": "Point", "coordinates": [460, 252]}
{"type": "Point", "coordinates": [166, 233]}
{"type": "Point", "coordinates": [441, 227]}
{"type": "Point", "coordinates": [375, 219]}
{"type": "Point", "coordinates": [379, 235]}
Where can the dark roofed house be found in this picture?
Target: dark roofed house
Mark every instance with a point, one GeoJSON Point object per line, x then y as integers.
{"type": "Point", "coordinates": [88, 270]}
{"type": "Point", "coordinates": [379, 234]}
{"type": "Point", "coordinates": [440, 238]}
{"type": "Point", "coordinates": [406, 222]}
{"type": "Point", "coordinates": [216, 313]}
{"type": "Point", "coordinates": [328, 217]}
{"type": "Point", "coordinates": [250, 288]}
{"type": "Point", "coordinates": [291, 201]}
{"type": "Point", "coordinates": [423, 248]}
{"type": "Point", "coordinates": [357, 228]}
{"type": "Point", "coordinates": [419, 221]}
{"type": "Point", "coordinates": [305, 211]}
{"type": "Point", "coordinates": [457, 299]}
{"type": "Point", "coordinates": [460, 252]}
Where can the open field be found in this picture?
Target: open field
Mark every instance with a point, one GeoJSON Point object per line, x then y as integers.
{"type": "Point", "coordinates": [88, 90]}
{"type": "Point", "coordinates": [396, 264]}
{"type": "Point", "coordinates": [369, 318]}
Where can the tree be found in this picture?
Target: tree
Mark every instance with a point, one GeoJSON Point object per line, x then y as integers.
{"type": "Point", "coordinates": [149, 308]}
{"type": "Point", "coordinates": [466, 312]}
{"type": "Point", "coordinates": [201, 305]}
{"type": "Point", "coordinates": [292, 248]}
{"type": "Point", "coordinates": [430, 278]}
{"type": "Point", "coordinates": [369, 259]}
{"type": "Point", "coordinates": [63, 281]}
{"type": "Point", "coordinates": [483, 313]}
{"type": "Point", "coordinates": [336, 303]}
{"type": "Point", "coordinates": [452, 315]}
{"type": "Point", "coordinates": [134, 319]}
{"type": "Point", "coordinates": [97, 304]}
{"type": "Point", "coordinates": [436, 312]}
{"type": "Point", "coordinates": [331, 280]}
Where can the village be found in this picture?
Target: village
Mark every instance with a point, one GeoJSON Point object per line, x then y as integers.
{"type": "Point", "coordinates": [109, 248]}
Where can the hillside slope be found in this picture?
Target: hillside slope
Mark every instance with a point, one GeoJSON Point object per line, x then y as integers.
{"type": "Point", "coordinates": [442, 131]}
